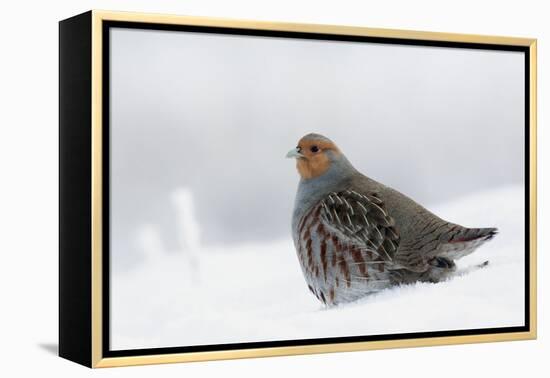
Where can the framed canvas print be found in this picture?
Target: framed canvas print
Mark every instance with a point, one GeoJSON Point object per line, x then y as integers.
{"type": "Point", "coordinates": [236, 189]}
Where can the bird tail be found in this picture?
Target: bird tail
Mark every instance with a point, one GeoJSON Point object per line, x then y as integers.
{"type": "Point", "coordinates": [466, 242]}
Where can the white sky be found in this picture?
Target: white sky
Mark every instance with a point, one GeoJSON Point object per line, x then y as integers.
{"type": "Point", "coordinates": [216, 114]}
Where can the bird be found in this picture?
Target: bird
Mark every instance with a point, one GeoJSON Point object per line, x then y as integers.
{"type": "Point", "coordinates": [355, 236]}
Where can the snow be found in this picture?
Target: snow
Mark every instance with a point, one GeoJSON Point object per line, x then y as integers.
{"type": "Point", "coordinates": [256, 292]}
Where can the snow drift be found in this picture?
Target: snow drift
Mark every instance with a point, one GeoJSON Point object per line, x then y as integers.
{"type": "Point", "coordinates": [256, 292]}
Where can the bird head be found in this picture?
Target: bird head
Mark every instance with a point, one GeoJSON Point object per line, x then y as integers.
{"type": "Point", "coordinates": [314, 155]}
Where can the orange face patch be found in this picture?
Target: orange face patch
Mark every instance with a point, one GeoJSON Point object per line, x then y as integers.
{"type": "Point", "coordinates": [315, 160]}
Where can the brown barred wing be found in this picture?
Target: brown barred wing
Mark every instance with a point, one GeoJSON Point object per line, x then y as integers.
{"type": "Point", "coordinates": [361, 219]}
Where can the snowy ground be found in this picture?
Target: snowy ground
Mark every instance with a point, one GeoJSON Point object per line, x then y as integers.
{"type": "Point", "coordinates": [257, 292]}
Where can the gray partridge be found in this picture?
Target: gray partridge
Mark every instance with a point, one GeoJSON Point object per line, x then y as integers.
{"type": "Point", "coordinates": [355, 236]}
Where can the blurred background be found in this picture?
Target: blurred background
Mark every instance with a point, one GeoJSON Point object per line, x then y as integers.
{"type": "Point", "coordinates": [202, 196]}
{"type": "Point", "coordinates": [200, 125]}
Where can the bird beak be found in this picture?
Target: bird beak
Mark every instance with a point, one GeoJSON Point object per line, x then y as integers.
{"type": "Point", "coordinates": [294, 153]}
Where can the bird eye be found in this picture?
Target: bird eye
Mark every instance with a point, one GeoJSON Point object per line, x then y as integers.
{"type": "Point", "coordinates": [314, 149]}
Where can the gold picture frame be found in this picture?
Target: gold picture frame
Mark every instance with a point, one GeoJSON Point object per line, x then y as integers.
{"type": "Point", "coordinates": [82, 274]}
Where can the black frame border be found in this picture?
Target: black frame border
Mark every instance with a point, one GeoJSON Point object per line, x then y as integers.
{"type": "Point", "coordinates": [75, 180]}
{"type": "Point", "coordinates": [107, 25]}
